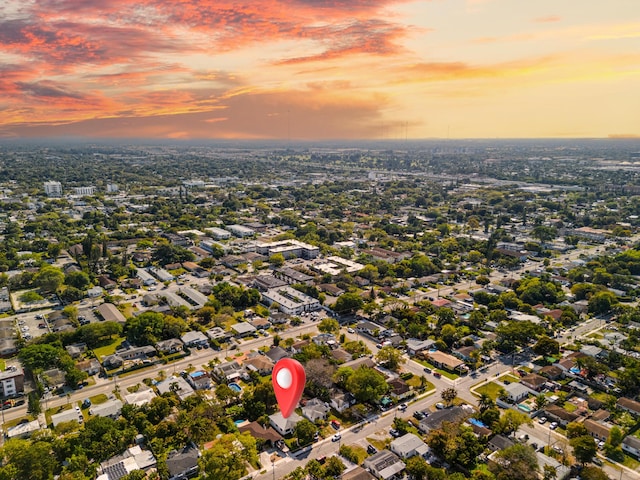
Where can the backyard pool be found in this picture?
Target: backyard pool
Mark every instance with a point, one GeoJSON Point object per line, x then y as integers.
{"type": "Point", "coordinates": [524, 407]}
{"type": "Point", "coordinates": [235, 387]}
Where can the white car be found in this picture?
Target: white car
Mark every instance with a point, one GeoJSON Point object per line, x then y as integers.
{"type": "Point", "coordinates": [336, 437]}
{"type": "Point", "coordinates": [553, 425]}
{"type": "Point", "coordinates": [542, 420]}
{"type": "Point", "coordinates": [351, 330]}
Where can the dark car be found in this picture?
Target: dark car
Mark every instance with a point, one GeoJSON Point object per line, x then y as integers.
{"type": "Point", "coordinates": [427, 370]}
{"type": "Point", "coordinates": [418, 415]}
{"type": "Point", "coordinates": [394, 433]}
{"type": "Point", "coordinates": [437, 374]}
{"type": "Point", "coordinates": [371, 449]}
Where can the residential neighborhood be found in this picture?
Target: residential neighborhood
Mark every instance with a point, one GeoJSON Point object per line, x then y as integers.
{"type": "Point", "coordinates": [450, 325]}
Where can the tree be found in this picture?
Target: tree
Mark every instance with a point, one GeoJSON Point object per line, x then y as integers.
{"type": "Point", "coordinates": [576, 429]}
{"type": "Point", "coordinates": [79, 280]}
{"type": "Point", "coordinates": [169, 253]}
{"type": "Point", "coordinates": [485, 402]}
{"type": "Point", "coordinates": [33, 407]}
{"type": "Point", "coordinates": [228, 456]}
{"type": "Point", "coordinates": [305, 430]}
{"type": "Point", "coordinates": [366, 385]}
{"type": "Point", "coordinates": [448, 395]}
{"type": "Point", "coordinates": [329, 325]}
{"type": "Point", "coordinates": [348, 302]}
{"type": "Point", "coordinates": [518, 462]}
{"type": "Point", "coordinates": [541, 401]}
{"type": "Point", "coordinates": [546, 346]}
{"type": "Point", "coordinates": [510, 421]}
{"type": "Point", "coordinates": [417, 468]}
{"type": "Point", "coordinates": [584, 448]}
{"type": "Point", "coordinates": [390, 357]}
{"type": "Point", "coordinates": [49, 279]}
{"type": "Point", "coordinates": [602, 302]}
{"type": "Point", "coordinates": [277, 259]}
{"type": "Point", "coordinates": [334, 467]}
{"type": "Point", "coordinates": [593, 473]}
{"type": "Point", "coordinates": [544, 233]}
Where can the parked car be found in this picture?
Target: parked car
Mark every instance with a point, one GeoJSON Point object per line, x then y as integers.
{"type": "Point", "coordinates": [418, 415]}
{"type": "Point", "coordinates": [542, 420]}
{"type": "Point", "coordinates": [394, 433]}
{"type": "Point", "coordinates": [402, 407]}
{"type": "Point", "coordinates": [335, 424]}
{"type": "Point", "coordinates": [427, 370]}
{"type": "Point", "coordinates": [336, 437]}
{"type": "Point", "coordinates": [553, 425]}
{"type": "Point", "coordinates": [437, 374]}
{"type": "Point", "coordinates": [371, 449]}
{"type": "Point", "coordinates": [351, 330]}
{"type": "Point", "coordinates": [440, 405]}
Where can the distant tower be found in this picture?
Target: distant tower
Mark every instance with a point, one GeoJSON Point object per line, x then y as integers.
{"type": "Point", "coordinates": [53, 189]}
{"type": "Point", "coordinates": [112, 188]}
{"type": "Point", "coordinates": [85, 191]}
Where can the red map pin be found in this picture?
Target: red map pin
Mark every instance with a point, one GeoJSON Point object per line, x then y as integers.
{"type": "Point", "coordinates": [288, 380]}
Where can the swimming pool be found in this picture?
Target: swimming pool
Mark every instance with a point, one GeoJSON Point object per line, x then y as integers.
{"type": "Point", "coordinates": [235, 387]}
{"type": "Point", "coordinates": [524, 407]}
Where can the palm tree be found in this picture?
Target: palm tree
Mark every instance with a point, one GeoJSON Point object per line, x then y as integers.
{"type": "Point", "coordinates": [485, 402]}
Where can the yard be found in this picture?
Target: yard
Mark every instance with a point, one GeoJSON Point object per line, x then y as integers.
{"type": "Point", "coordinates": [109, 349]}
{"type": "Point", "coordinates": [492, 389]}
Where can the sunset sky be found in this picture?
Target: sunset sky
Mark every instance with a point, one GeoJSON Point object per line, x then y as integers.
{"type": "Point", "coordinates": [319, 69]}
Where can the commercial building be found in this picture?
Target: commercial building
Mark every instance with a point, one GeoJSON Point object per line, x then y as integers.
{"type": "Point", "coordinates": [53, 189]}
{"type": "Point", "coordinates": [289, 249]}
{"type": "Point", "coordinates": [84, 191]}
{"type": "Point", "coordinates": [290, 300]}
{"type": "Point", "coordinates": [11, 382]}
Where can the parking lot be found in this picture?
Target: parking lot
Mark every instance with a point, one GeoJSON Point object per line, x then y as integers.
{"type": "Point", "coordinates": [29, 324]}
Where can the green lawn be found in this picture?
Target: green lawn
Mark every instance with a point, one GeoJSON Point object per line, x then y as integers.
{"type": "Point", "coordinates": [110, 349]}
{"type": "Point", "coordinates": [492, 389]}
{"type": "Point", "coordinates": [379, 444]}
{"type": "Point", "coordinates": [630, 462]}
{"type": "Point", "coordinates": [98, 399]}
{"type": "Point", "coordinates": [445, 373]}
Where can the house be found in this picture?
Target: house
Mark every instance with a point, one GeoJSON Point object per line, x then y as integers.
{"type": "Point", "coordinates": [399, 389]}
{"type": "Point", "coordinates": [444, 360]}
{"type": "Point", "coordinates": [631, 445]}
{"type": "Point", "coordinates": [23, 430]}
{"type": "Point", "coordinates": [134, 458]}
{"type": "Point", "coordinates": [415, 346]}
{"type": "Point", "coordinates": [328, 339]}
{"type": "Point", "coordinates": [591, 350]}
{"type": "Point", "coordinates": [94, 292]}
{"type": "Point", "coordinates": [91, 366]}
{"type": "Point", "coordinates": [75, 350]}
{"type": "Point", "coordinates": [195, 339]}
{"type": "Point", "coordinates": [110, 313]}
{"type": "Point", "coordinates": [170, 346]}
{"type": "Point", "coordinates": [436, 419]}
{"type": "Point", "coordinates": [368, 328]}
{"type": "Point", "coordinates": [631, 406]}
{"type": "Point", "coordinates": [552, 372]}
{"type": "Point", "coordinates": [465, 353]}
{"type": "Point", "coordinates": [257, 431]}
{"type": "Point", "coordinates": [560, 415]}
{"type": "Point", "coordinates": [315, 409]}
{"type": "Point", "coordinates": [65, 416]}
{"type": "Point", "coordinates": [284, 426]}
{"type": "Point", "coordinates": [516, 392]}
{"type": "Point", "coordinates": [112, 361]}
{"type": "Point", "coordinates": [229, 371]}
{"type": "Point", "coordinates": [533, 381]}
{"type": "Point", "coordinates": [140, 398]}
{"type": "Point", "coordinates": [217, 333]}
{"type": "Point", "coordinates": [499, 442]}
{"type": "Point", "coordinates": [259, 363]}
{"type": "Point", "coordinates": [277, 353]}
{"type": "Point", "coordinates": [341, 355]}
{"type": "Point", "coordinates": [357, 473]}
{"type": "Point", "coordinates": [183, 464]}
{"type": "Point", "coordinates": [340, 401]}
{"type": "Point", "coordinates": [385, 465]}
{"type": "Point", "coordinates": [177, 385]}
{"type": "Point", "coordinates": [199, 380]}
{"type": "Point", "coordinates": [408, 446]}
{"type": "Point", "coordinates": [597, 430]}
{"type": "Point", "coordinates": [243, 329]}
{"type": "Point", "coordinates": [110, 408]}
{"type": "Point", "coordinates": [106, 283]}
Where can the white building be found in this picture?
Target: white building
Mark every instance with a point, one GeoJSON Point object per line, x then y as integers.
{"type": "Point", "coordinates": [218, 233]}
{"type": "Point", "coordinates": [408, 446]}
{"type": "Point", "coordinates": [146, 277]}
{"type": "Point", "coordinates": [240, 231]}
{"type": "Point", "coordinates": [290, 300]}
{"type": "Point", "coordinates": [289, 249]}
{"type": "Point", "coordinates": [53, 189]}
{"type": "Point", "coordinates": [161, 274]}
{"type": "Point", "coordinates": [84, 191]}
{"type": "Point", "coordinates": [112, 188]}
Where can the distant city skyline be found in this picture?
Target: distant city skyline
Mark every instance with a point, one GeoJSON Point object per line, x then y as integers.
{"type": "Point", "coordinates": [319, 69]}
